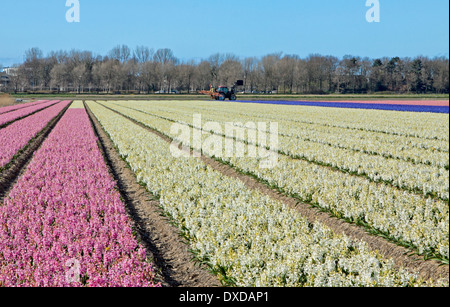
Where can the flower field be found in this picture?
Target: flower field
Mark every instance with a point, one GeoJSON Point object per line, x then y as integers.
{"type": "Point", "coordinates": [64, 214]}
{"type": "Point", "coordinates": [401, 213]}
{"type": "Point", "coordinates": [64, 223]}
{"type": "Point", "coordinates": [16, 114]}
{"type": "Point", "coordinates": [16, 135]}
{"type": "Point", "coordinates": [379, 192]}
{"type": "Point", "coordinates": [20, 106]}
{"type": "Point", "coordinates": [406, 106]}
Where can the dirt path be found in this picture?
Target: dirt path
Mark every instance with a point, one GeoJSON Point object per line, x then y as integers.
{"type": "Point", "coordinates": [6, 100]}
{"type": "Point", "coordinates": [402, 256]}
{"type": "Point", "coordinates": [162, 240]}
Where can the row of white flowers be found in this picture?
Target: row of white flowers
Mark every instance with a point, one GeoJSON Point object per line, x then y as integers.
{"type": "Point", "coordinates": [250, 238]}
{"type": "Point", "coordinates": [423, 126]}
{"type": "Point", "coordinates": [411, 149]}
{"type": "Point", "coordinates": [389, 122]}
{"type": "Point", "coordinates": [404, 216]}
{"type": "Point", "coordinates": [400, 173]}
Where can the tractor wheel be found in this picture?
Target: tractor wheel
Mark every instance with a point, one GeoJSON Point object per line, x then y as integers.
{"type": "Point", "coordinates": [233, 97]}
{"type": "Point", "coordinates": [222, 97]}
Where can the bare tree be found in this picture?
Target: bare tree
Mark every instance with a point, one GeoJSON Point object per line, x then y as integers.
{"type": "Point", "coordinates": [106, 74]}
{"type": "Point", "coordinates": [230, 71]}
{"type": "Point", "coordinates": [60, 77]}
{"type": "Point", "coordinates": [170, 71]}
{"type": "Point", "coordinates": [164, 56]}
{"type": "Point", "coordinates": [149, 75]}
{"type": "Point", "coordinates": [270, 71]}
{"type": "Point", "coordinates": [144, 69]}
{"type": "Point", "coordinates": [186, 75]}
{"type": "Point", "coordinates": [442, 75]}
{"type": "Point", "coordinates": [78, 77]}
{"type": "Point", "coordinates": [166, 61]}
{"type": "Point", "coordinates": [215, 61]}
{"type": "Point", "coordinates": [350, 71]}
{"type": "Point", "coordinates": [143, 54]}
{"type": "Point", "coordinates": [320, 70]}
{"type": "Point", "coordinates": [33, 66]}
{"type": "Point", "coordinates": [393, 73]}
{"type": "Point", "coordinates": [249, 66]}
{"type": "Point", "coordinates": [129, 74]}
{"type": "Point", "coordinates": [286, 68]}
{"type": "Point", "coordinates": [330, 66]}
{"type": "Point", "coordinates": [301, 76]}
{"type": "Point", "coordinates": [203, 75]}
{"type": "Point", "coordinates": [121, 53]}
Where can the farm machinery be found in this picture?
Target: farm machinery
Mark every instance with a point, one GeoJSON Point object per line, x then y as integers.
{"type": "Point", "coordinates": [223, 92]}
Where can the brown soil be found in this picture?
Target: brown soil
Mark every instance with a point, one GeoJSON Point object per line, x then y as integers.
{"type": "Point", "coordinates": [427, 269]}
{"type": "Point", "coordinates": [6, 100]}
{"type": "Point", "coordinates": [162, 240]}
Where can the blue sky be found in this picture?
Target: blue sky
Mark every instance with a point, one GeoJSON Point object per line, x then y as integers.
{"type": "Point", "coordinates": [195, 29]}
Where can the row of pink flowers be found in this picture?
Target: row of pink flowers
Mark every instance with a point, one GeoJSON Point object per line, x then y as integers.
{"type": "Point", "coordinates": [64, 224]}
{"type": "Point", "coordinates": [20, 106]}
{"type": "Point", "coordinates": [14, 115]}
{"type": "Point", "coordinates": [15, 136]}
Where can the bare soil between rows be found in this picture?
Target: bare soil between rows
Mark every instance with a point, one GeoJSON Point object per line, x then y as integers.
{"type": "Point", "coordinates": [403, 258]}
{"type": "Point", "coordinates": [6, 100]}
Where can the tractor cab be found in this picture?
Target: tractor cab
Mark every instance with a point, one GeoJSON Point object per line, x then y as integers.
{"type": "Point", "coordinates": [223, 89]}
{"type": "Point", "coordinates": [225, 93]}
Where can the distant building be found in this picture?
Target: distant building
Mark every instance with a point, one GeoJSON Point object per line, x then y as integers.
{"type": "Point", "coordinates": [4, 80]}
{"type": "Point", "coordinates": [10, 71]}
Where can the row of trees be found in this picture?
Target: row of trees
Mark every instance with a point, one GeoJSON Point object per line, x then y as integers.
{"type": "Point", "coordinates": [144, 70]}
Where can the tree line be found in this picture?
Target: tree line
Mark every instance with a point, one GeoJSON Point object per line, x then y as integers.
{"type": "Point", "coordinates": [145, 70]}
